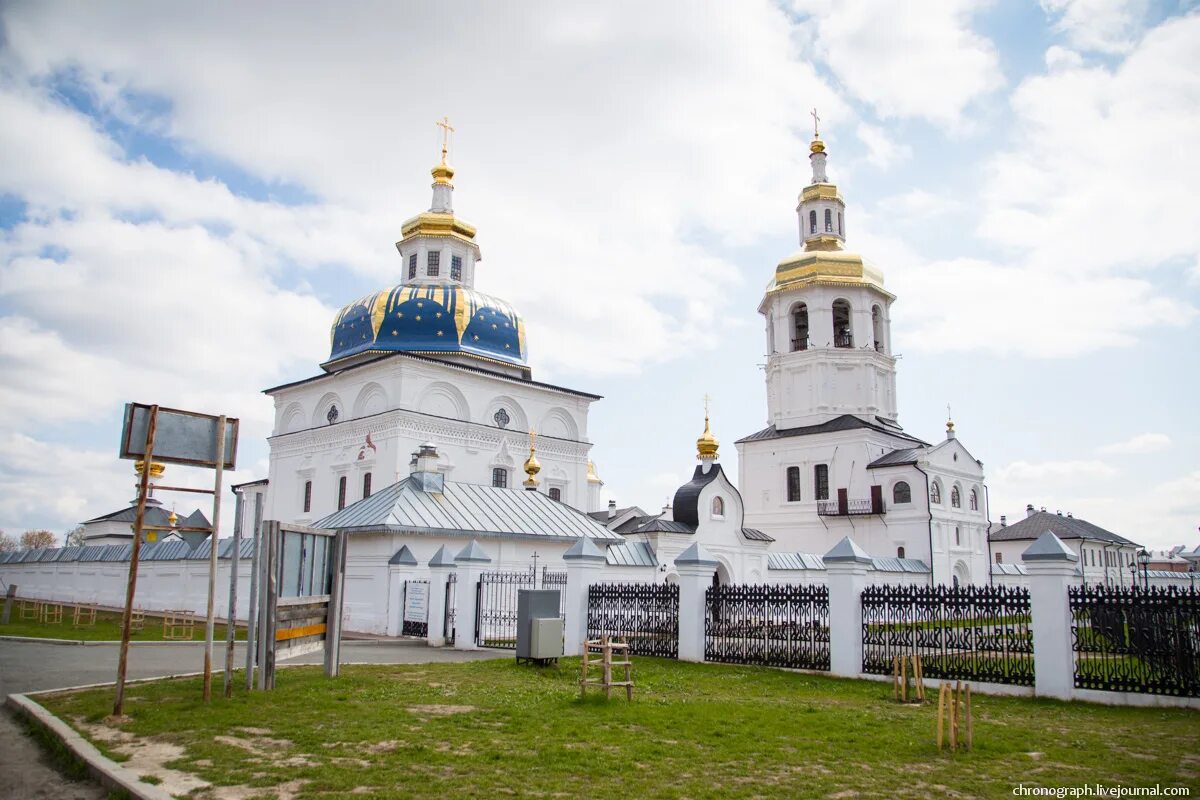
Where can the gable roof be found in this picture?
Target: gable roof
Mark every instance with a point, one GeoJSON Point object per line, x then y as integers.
{"type": "Point", "coordinates": [1039, 522]}
{"type": "Point", "coordinates": [846, 422]}
{"type": "Point", "coordinates": [602, 517]}
{"type": "Point", "coordinates": [465, 509]}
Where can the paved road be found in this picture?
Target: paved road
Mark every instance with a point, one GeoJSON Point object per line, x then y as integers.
{"type": "Point", "coordinates": [33, 666]}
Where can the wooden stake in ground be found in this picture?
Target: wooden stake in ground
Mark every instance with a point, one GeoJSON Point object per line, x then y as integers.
{"type": "Point", "coordinates": [949, 700]}
{"type": "Point", "coordinates": [941, 712]}
{"type": "Point", "coordinates": [138, 519]}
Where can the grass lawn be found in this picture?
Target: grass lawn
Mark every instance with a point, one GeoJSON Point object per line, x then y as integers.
{"type": "Point", "coordinates": [107, 628]}
{"type": "Point", "coordinates": [493, 728]}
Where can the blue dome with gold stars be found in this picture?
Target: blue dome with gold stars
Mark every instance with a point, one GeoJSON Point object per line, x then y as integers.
{"type": "Point", "coordinates": [430, 319]}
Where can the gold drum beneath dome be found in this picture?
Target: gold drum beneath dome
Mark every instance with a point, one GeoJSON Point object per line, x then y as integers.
{"type": "Point", "coordinates": [156, 469]}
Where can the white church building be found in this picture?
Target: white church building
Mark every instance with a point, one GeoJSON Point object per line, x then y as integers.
{"type": "Point", "coordinates": [833, 460]}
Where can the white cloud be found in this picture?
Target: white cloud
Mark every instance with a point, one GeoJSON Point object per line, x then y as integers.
{"type": "Point", "coordinates": [1107, 26]}
{"type": "Point", "coordinates": [882, 150]}
{"type": "Point", "coordinates": [927, 63]}
{"type": "Point", "coordinates": [1052, 472]}
{"type": "Point", "coordinates": [1142, 443]}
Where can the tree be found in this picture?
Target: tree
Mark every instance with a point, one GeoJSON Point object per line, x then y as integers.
{"type": "Point", "coordinates": [34, 539]}
{"type": "Point", "coordinates": [74, 537]}
{"type": "Point", "coordinates": [7, 543]}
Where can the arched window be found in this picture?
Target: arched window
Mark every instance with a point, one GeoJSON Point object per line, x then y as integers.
{"type": "Point", "coordinates": [718, 506]}
{"type": "Point", "coordinates": [935, 493]}
{"type": "Point", "coordinates": [800, 328]}
{"type": "Point", "coordinates": [793, 484]}
{"type": "Point", "coordinates": [877, 327]}
{"type": "Point", "coordinates": [901, 493]}
{"type": "Point", "coordinates": [366, 485]}
{"type": "Point", "coordinates": [955, 497]}
{"type": "Point", "coordinates": [954, 578]}
{"type": "Point", "coordinates": [812, 221]}
{"type": "Point", "coordinates": [307, 496]}
{"type": "Point", "coordinates": [821, 481]}
{"type": "Point", "coordinates": [500, 478]}
{"type": "Point", "coordinates": [828, 221]}
{"type": "Point", "coordinates": [341, 492]}
{"type": "Point", "coordinates": [842, 337]}
{"type": "Point", "coordinates": [556, 494]}
{"type": "Point", "coordinates": [974, 500]}
{"type": "Point", "coordinates": [900, 552]}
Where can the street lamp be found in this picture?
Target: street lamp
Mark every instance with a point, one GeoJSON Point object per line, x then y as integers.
{"type": "Point", "coordinates": [1144, 559]}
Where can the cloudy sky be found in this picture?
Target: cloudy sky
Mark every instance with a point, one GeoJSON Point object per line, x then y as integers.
{"type": "Point", "coordinates": [189, 191]}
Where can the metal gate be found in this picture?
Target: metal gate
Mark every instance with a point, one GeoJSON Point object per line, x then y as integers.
{"type": "Point", "coordinates": [496, 607]}
{"type": "Point", "coordinates": [448, 615]}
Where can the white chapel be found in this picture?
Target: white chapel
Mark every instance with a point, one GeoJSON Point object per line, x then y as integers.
{"type": "Point", "coordinates": [428, 359]}
{"type": "Point", "coordinates": [833, 460]}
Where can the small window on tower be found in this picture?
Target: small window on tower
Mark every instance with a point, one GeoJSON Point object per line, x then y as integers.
{"type": "Point", "coordinates": [307, 496]}
{"type": "Point", "coordinates": [900, 552]}
{"type": "Point", "coordinates": [556, 494]}
{"type": "Point", "coordinates": [455, 268]}
{"type": "Point", "coordinates": [412, 266]}
{"type": "Point", "coordinates": [366, 485]}
{"type": "Point", "coordinates": [840, 224]}
{"type": "Point", "coordinates": [341, 492]}
{"type": "Point", "coordinates": [718, 507]}
{"type": "Point", "coordinates": [812, 221]}
{"type": "Point", "coordinates": [434, 265]}
{"type": "Point", "coordinates": [500, 478]}
{"type": "Point", "coordinates": [793, 484]}
{"type": "Point", "coordinates": [828, 221]}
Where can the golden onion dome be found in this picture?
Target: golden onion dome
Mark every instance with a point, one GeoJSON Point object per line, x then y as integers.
{"type": "Point", "coordinates": [442, 173]}
{"type": "Point", "coordinates": [532, 467]}
{"type": "Point", "coordinates": [591, 473]}
{"type": "Point", "coordinates": [706, 445]}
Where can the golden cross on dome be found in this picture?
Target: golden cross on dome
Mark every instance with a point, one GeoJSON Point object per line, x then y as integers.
{"type": "Point", "coordinates": [447, 129]}
{"type": "Point", "coordinates": [816, 123]}
{"type": "Point", "coordinates": [706, 401]}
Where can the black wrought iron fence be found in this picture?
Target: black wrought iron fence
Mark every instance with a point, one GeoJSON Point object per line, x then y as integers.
{"type": "Point", "coordinates": [646, 614]}
{"type": "Point", "coordinates": [451, 601]}
{"type": "Point", "coordinates": [496, 607]}
{"type": "Point", "coordinates": [978, 633]}
{"type": "Point", "coordinates": [781, 626]}
{"type": "Point", "coordinates": [1130, 639]}
{"type": "Point", "coordinates": [557, 581]}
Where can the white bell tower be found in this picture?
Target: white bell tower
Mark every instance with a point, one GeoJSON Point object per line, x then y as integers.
{"type": "Point", "coordinates": [828, 320]}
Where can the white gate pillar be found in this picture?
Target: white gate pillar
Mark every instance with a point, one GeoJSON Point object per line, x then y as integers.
{"type": "Point", "coordinates": [440, 567]}
{"type": "Point", "coordinates": [585, 565]}
{"type": "Point", "coordinates": [847, 566]}
{"type": "Point", "coordinates": [471, 560]}
{"type": "Point", "coordinates": [1052, 570]}
{"type": "Point", "coordinates": [695, 567]}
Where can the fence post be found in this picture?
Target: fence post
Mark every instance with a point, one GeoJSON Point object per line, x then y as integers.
{"type": "Point", "coordinates": [471, 561]}
{"type": "Point", "coordinates": [440, 567]}
{"type": "Point", "coordinates": [695, 567]}
{"type": "Point", "coordinates": [585, 562]}
{"type": "Point", "coordinates": [1051, 566]}
{"type": "Point", "coordinates": [846, 567]}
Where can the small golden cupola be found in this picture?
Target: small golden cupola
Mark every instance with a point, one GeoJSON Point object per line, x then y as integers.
{"type": "Point", "coordinates": [707, 444]}
{"type": "Point", "coordinates": [532, 467]}
{"type": "Point", "coordinates": [822, 209]}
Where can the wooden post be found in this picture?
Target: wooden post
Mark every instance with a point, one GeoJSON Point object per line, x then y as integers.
{"type": "Point", "coordinates": [209, 625]}
{"type": "Point", "coordinates": [919, 676]}
{"type": "Point", "coordinates": [231, 625]}
{"type": "Point", "coordinates": [954, 716]}
{"type": "Point", "coordinates": [138, 520]}
{"type": "Point", "coordinates": [941, 712]}
{"type": "Point", "coordinates": [252, 609]}
{"type": "Point", "coordinates": [333, 622]}
{"type": "Point", "coordinates": [896, 678]}
{"type": "Point", "coordinates": [904, 675]}
{"type": "Point", "coordinates": [583, 667]}
{"type": "Point", "coordinates": [9, 596]}
{"type": "Point", "coordinates": [970, 722]}
{"type": "Point", "coordinates": [270, 606]}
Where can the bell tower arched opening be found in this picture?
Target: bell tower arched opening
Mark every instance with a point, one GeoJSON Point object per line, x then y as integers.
{"type": "Point", "coordinates": [842, 334]}
{"type": "Point", "coordinates": [800, 327]}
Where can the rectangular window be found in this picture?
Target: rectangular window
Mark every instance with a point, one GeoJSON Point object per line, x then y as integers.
{"type": "Point", "coordinates": [307, 496]}
{"type": "Point", "coordinates": [434, 265]}
{"type": "Point", "coordinates": [412, 266]}
{"type": "Point", "coordinates": [500, 478]}
{"type": "Point", "coordinates": [455, 268]}
{"type": "Point", "coordinates": [999, 558]}
{"type": "Point", "coordinates": [821, 481]}
{"type": "Point", "coordinates": [556, 494]}
{"type": "Point", "coordinates": [366, 485]}
{"type": "Point", "coordinates": [793, 484]}
{"type": "Point", "coordinates": [341, 492]}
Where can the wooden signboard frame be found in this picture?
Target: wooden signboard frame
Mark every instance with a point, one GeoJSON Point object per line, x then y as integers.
{"type": "Point", "coordinates": [292, 626]}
